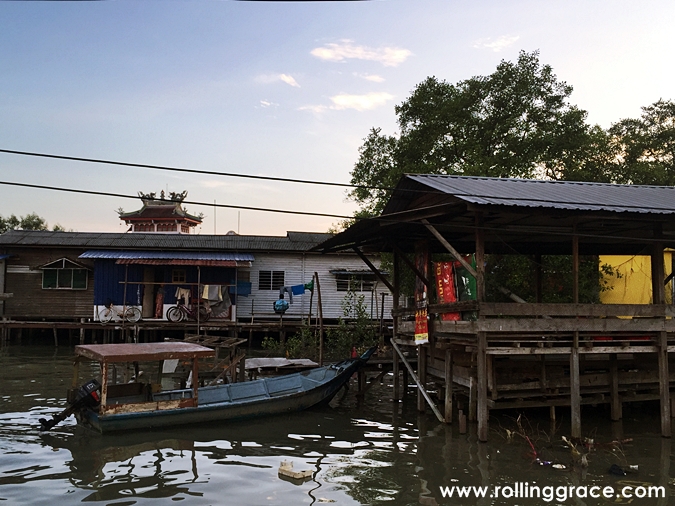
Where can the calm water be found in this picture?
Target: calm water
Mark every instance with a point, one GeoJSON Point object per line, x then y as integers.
{"type": "Point", "coordinates": [368, 453]}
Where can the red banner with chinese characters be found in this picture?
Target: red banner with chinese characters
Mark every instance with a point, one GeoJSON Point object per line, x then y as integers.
{"type": "Point", "coordinates": [445, 287]}
{"type": "Point", "coordinates": [421, 300]}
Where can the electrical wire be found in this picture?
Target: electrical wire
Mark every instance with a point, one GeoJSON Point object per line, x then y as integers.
{"type": "Point", "coordinates": [121, 195]}
{"type": "Point", "coordinates": [190, 171]}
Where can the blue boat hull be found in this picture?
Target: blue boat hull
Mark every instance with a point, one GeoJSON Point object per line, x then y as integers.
{"type": "Point", "coordinates": [270, 396]}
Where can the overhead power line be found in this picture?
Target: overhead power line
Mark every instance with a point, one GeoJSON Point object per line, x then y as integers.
{"type": "Point", "coordinates": [209, 204]}
{"type": "Point", "coordinates": [191, 171]}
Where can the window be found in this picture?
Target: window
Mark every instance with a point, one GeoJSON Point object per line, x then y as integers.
{"type": "Point", "coordinates": [64, 275]}
{"type": "Point", "coordinates": [270, 280]}
{"type": "Point", "coordinates": [355, 282]}
{"type": "Point", "coordinates": [178, 276]}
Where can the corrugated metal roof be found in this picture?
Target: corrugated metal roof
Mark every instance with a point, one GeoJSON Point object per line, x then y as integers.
{"type": "Point", "coordinates": [567, 195]}
{"type": "Point", "coordinates": [182, 261]}
{"type": "Point", "coordinates": [167, 255]}
{"type": "Point", "coordinates": [294, 241]}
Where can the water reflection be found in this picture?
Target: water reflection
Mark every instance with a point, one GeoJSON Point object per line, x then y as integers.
{"type": "Point", "coordinates": [373, 452]}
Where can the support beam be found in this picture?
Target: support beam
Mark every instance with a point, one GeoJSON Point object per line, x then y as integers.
{"type": "Point", "coordinates": [422, 374]}
{"type": "Point", "coordinates": [375, 270]}
{"type": "Point", "coordinates": [575, 389]}
{"type": "Point", "coordinates": [421, 388]}
{"type": "Point", "coordinates": [615, 399]}
{"type": "Point", "coordinates": [664, 384]}
{"type": "Point", "coordinates": [450, 249]}
{"type": "Point", "coordinates": [448, 386]}
{"type": "Point", "coordinates": [397, 380]}
{"type": "Point", "coordinates": [482, 400]}
{"type": "Point", "coordinates": [412, 266]}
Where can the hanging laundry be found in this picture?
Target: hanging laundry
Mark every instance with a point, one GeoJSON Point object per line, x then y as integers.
{"type": "Point", "coordinates": [286, 289]}
{"type": "Point", "coordinates": [298, 289]}
{"type": "Point", "coordinates": [310, 286]}
{"type": "Point", "coordinates": [183, 293]}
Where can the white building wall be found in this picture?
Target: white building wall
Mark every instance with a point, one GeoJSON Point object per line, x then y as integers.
{"type": "Point", "coordinates": [298, 269]}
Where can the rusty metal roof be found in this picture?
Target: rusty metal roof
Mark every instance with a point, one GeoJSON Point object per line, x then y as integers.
{"type": "Point", "coordinates": [149, 352]}
{"type": "Point", "coordinates": [567, 195]}
{"type": "Point", "coordinates": [293, 241]}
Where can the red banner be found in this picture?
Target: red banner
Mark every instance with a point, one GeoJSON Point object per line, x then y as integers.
{"type": "Point", "coordinates": [445, 286]}
{"type": "Point", "coordinates": [421, 310]}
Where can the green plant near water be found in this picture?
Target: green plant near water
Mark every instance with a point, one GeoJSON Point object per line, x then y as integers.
{"type": "Point", "coordinates": [354, 330]}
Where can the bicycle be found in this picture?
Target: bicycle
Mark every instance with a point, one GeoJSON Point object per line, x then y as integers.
{"type": "Point", "coordinates": [110, 312]}
{"type": "Point", "coordinates": [181, 312]}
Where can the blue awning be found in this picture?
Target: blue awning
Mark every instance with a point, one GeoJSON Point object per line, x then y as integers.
{"type": "Point", "coordinates": [172, 257]}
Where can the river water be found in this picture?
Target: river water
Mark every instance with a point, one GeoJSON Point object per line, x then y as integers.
{"type": "Point", "coordinates": [371, 452]}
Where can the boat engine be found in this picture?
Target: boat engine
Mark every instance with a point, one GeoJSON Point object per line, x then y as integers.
{"type": "Point", "coordinates": [86, 396]}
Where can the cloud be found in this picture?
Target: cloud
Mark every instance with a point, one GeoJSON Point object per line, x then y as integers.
{"type": "Point", "coordinates": [496, 44]}
{"type": "Point", "coordinates": [289, 80]}
{"type": "Point", "coordinates": [273, 78]}
{"type": "Point", "coordinates": [356, 102]}
{"type": "Point", "coordinates": [346, 49]}
{"type": "Point", "coordinates": [370, 77]}
{"type": "Point", "coordinates": [267, 103]}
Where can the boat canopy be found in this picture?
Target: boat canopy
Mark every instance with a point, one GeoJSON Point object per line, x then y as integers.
{"type": "Point", "coordinates": [146, 352]}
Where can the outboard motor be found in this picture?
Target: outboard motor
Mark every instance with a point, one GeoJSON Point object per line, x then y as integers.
{"type": "Point", "coordinates": [87, 396]}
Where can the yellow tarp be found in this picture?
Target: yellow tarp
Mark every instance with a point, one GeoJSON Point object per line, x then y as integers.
{"type": "Point", "coordinates": [634, 286]}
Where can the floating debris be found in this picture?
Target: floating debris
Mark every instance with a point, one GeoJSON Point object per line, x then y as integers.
{"type": "Point", "coordinates": [616, 470]}
{"type": "Point", "coordinates": [286, 469]}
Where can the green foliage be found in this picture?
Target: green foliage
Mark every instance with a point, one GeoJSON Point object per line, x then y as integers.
{"type": "Point", "coordinates": [516, 122]}
{"type": "Point", "coordinates": [31, 221]}
{"type": "Point", "coordinates": [646, 146]}
{"type": "Point", "coordinates": [354, 330]}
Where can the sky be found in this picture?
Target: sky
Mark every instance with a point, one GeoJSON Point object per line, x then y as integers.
{"type": "Point", "coordinates": [281, 89]}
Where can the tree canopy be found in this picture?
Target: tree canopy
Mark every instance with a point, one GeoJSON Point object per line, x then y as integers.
{"type": "Point", "coordinates": [31, 221]}
{"type": "Point", "coordinates": [516, 122]}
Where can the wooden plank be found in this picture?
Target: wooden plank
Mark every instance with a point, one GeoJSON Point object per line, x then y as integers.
{"type": "Point", "coordinates": [600, 326]}
{"type": "Point", "coordinates": [397, 380]}
{"type": "Point", "coordinates": [598, 310]}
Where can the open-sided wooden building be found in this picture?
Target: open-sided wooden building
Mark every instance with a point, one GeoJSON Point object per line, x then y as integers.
{"type": "Point", "coordinates": [521, 353]}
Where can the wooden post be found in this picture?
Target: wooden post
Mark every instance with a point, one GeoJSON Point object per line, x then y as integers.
{"type": "Point", "coordinates": [482, 410]}
{"type": "Point", "coordinates": [448, 385]}
{"type": "Point", "coordinates": [472, 399]}
{"type": "Point", "coordinates": [104, 385]}
{"type": "Point", "coordinates": [615, 400]}
{"type": "Point", "coordinates": [575, 389]}
{"type": "Point", "coordinates": [395, 372]}
{"type": "Point", "coordinates": [664, 383]}
{"type": "Point", "coordinates": [82, 331]}
{"type": "Point", "coordinates": [56, 337]}
{"type": "Point", "coordinates": [538, 280]}
{"type": "Point", "coordinates": [319, 307]}
{"type": "Point", "coordinates": [394, 304]}
{"type": "Point", "coordinates": [481, 394]}
{"type": "Point", "coordinates": [242, 368]}
{"type": "Point", "coordinates": [422, 375]}
{"type": "Point", "coordinates": [195, 381]}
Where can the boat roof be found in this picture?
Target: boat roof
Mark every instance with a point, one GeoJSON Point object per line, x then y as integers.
{"type": "Point", "coordinates": [145, 352]}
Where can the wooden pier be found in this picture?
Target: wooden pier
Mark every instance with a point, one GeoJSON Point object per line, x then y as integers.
{"type": "Point", "coordinates": [526, 353]}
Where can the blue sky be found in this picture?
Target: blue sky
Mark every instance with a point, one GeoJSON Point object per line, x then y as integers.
{"type": "Point", "coordinates": [286, 89]}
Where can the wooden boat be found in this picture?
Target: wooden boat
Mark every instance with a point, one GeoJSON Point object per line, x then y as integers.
{"type": "Point", "coordinates": [137, 405]}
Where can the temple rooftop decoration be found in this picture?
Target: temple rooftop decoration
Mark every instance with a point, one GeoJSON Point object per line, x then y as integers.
{"type": "Point", "coordinates": [161, 215]}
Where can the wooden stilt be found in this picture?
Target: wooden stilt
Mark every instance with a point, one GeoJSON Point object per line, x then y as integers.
{"type": "Point", "coordinates": [422, 375]}
{"type": "Point", "coordinates": [448, 386]}
{"type": "Point", "coordinates": [664, 383]}
{"type": "Point", "coordinates": [615, 399]}
{"type": "Point", "coordinates": [482, 399]}
{"type": "Point", "coordinates": [462, 422]}
{"type": "Point", "coordinates": [82, 331]}
{"type": "Point", "coordinates": [56, 337]}
{"type": "Point", "coordinates": [395, 370]}
{"type": "Point", "coordinates": [472, 399]}
{"type": "Point", "coordinates": [575, 392]}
